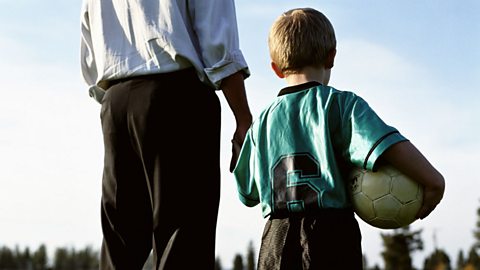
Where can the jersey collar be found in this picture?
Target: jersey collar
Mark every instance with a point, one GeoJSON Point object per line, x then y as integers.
{"type": "Point", "coordinates": [298, 88]}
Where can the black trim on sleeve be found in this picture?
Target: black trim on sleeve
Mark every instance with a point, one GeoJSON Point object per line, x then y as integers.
{"type": "Point", "coordinates": [375, 146]}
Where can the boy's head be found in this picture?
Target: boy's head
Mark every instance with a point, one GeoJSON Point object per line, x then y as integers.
{"type": "Point", "coordinates": [300, 38]}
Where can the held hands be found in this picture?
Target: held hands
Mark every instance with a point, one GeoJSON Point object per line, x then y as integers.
{"type": "Point", "coordinates": [237, 142]}
{"type": "Point", "coordinates": [236, 147]}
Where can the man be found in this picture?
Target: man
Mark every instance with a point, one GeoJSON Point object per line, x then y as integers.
{"type": "Point", "coordinates": [154, 66]}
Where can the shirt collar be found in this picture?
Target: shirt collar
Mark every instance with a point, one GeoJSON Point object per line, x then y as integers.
{"type": "Point", "coordinates": [298, 88]}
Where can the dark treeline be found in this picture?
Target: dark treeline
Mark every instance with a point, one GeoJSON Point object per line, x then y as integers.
{"type": "Point", "coordinates": [63, 259]}
{"type": "Point", "coordinates": [398, 248]}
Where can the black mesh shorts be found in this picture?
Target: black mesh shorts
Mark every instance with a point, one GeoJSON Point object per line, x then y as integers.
{"type": "Point", "coordinates": [329, 240]}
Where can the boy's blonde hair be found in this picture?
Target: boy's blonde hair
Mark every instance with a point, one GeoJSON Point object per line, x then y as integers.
{"type": "Point", "coordinates": [299, 38]}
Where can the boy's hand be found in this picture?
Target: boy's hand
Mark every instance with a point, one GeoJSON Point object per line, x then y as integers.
{"type": "Point", "coordinates": [431, 198]}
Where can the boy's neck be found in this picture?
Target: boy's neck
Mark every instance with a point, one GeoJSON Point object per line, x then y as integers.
{"type": "Point", "coordinates": [308, 74]}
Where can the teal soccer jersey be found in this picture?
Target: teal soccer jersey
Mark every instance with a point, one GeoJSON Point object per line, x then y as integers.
{"type": "Point", "coordinates": [297, 153]}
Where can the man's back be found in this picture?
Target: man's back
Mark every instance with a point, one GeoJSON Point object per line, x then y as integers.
{"type": "Point", "coordinates": [123, 39]}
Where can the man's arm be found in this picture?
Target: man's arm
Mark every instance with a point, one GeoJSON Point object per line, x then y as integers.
{"type": "Point", "coordinates": [407, 158]}
{"type": "Point", "coordinates": [233, 88]}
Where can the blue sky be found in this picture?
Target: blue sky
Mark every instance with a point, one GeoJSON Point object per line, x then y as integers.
{"type": "Point", "coordinates": [415, 62]}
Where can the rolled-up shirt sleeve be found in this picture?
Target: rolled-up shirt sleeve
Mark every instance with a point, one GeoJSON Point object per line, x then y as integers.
{"type": "Point", "coordinates": [215, 24]}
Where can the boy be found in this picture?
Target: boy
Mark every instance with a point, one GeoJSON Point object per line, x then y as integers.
{"type": "Point", "coordinates": [297, 154]}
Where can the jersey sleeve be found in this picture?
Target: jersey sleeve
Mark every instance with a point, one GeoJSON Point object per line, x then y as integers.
{"type": "Point", "coordinates": [366, 135]}
{"type": "Point", "coordinates": [244, 173]}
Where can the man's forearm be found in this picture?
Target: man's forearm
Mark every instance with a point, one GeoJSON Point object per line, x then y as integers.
{"type": "Point", "coordinates": [233, 89]}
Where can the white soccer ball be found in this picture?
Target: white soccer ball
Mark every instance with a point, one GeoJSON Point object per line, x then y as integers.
{"type": "Point", "coordinates": [386, 199]}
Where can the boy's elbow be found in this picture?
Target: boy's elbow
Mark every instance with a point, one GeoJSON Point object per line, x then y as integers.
{"type": "Point", "coordinates": [436, 183]}
{"type": "Point", "coordinates": [440, 182]}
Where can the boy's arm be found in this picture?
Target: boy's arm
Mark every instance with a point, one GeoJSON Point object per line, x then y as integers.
{"type": "Point", "coordinates": [407, 158]}
{"type": "Point", "coordinates": [244, 173]}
